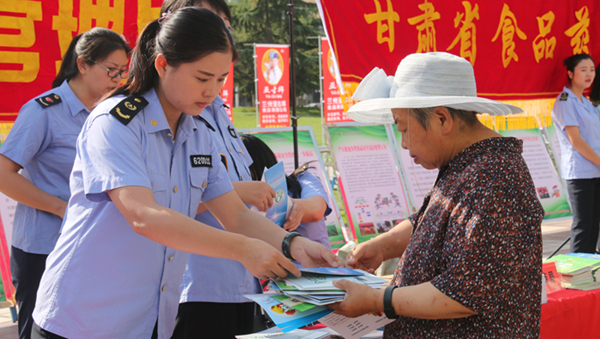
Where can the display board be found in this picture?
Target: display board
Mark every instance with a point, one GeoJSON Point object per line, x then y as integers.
{"type": "Point", "coordinates": [554, 145]}
{"type": "Point", "coordinates": [333, 106]}
{"type": "Point", "coordinates": [272, 85]}
{"type": "Point", "coordinates": [281, 142]}
{"type": "Point", "coordinates": [417, 179]}
{"type": "Point", "coordinates": [370, 182]}
{"type": "Point", "coordinates": [548, 186]}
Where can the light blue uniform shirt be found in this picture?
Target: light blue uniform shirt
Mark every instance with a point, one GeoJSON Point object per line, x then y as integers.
{"type": "Point", "coordinates": [103, 280]}
{"type": "Point", "coordinates": [42, 141]}
{"type": "Point", "coordinates": [573, 112]}
{"type": "Point", "coordinates": [315, 231]}
{"type": "Point", "coordinates": [209, 279]}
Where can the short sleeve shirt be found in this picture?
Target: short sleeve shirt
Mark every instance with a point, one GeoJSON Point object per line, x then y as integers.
{"type": "Point", "coordinates": [477, 239]}
{"type": "Point", "coordinates": [568, 110]}
{"type": "Point", "coordinates": [103, 280]}
{"type": "Point", "coordinates": [42, 141]}
{"type": "Point", "coordinates": [228, 279]}
{"type": "Point", "coordinates": [315, 231]}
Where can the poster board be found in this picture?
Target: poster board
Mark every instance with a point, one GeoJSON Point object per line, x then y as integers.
{"type": "Point", "coordinates": [370, 182]}
{"type": "Point", "coordinates": [549, 188]}
{"type": "Point", "coordinates": [280, 140]}
{"type": "Point", "coordinates": [418, 180]}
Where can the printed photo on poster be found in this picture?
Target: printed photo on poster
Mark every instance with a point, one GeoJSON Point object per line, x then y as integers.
{"type": "Point", "coordinates": [272, 67]}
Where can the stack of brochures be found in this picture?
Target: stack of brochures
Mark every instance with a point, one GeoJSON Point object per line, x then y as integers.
{"type": "Point", "coordinates": [578, 270]}
{"type": "Point", "coordinates": [294, 302]}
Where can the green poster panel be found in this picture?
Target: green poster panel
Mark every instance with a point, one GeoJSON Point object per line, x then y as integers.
{"type": "Point", "coordinates": [372, 190]}
{"type": "Point", "coordinates": [548, 186]}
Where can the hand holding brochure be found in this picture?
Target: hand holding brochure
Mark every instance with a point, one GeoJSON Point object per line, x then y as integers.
{"type": "Point", "coordinates": [275, 177]}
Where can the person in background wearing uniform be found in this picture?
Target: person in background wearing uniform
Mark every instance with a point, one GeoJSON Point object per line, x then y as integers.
{"type": "Point", "coordinates": [212, 304]}
{"type": "Point", "coordinates": [471, 257]}
{"type": "Point", "coordinates": [578, 129]}
{"type": "Point", "coordinates": [142, 168]}
{"type": "Point", "coordinates": [310, 208]}
{"type": "Point", "coordinates": [42, 143]}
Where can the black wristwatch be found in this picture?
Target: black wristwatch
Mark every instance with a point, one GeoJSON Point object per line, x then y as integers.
{"type": "Point", "coordinates": [285, 245]}
{"type": "Point", "coordinates": [388, 309]}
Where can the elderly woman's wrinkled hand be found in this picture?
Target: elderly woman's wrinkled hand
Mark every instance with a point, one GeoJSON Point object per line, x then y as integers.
{"type": "Point", "coordinates": [360, 299]}
{"type": "Point", "coordinates": [365, 256]}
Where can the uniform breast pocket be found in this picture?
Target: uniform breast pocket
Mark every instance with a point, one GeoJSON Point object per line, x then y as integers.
{"type": "Point", "coordinates": [198, 182]}
{"type": "Point", "coordinates": [158, 184]}
{"type": "Point", "coordinates": [243, 155]}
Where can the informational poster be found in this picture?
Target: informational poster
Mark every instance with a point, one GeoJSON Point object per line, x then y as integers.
{"type": "Point", "coordinates": [418, 179]}
{"type": "Point", "coordinates": [281, 142]}
{"type": "Point", "coordinates": [548, 186]}
{"type": "Point", "coordinates": [554, 145]}
{"type": "Point", "coordinates": [333, 107]}
{"type": "Point", "coordinates": [371, 187]}
{"type": "Point", "coordinates": [273, 85]}
{"type": "Point", "coordinates": [227, 93]}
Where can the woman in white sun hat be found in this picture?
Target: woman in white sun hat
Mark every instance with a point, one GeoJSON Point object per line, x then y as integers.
{"type": "Point", "coordinates": [471, 257]}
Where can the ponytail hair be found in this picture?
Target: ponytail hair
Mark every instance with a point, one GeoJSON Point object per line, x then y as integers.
{"type": "Point", "coordinates": [94, 45]}
{"type": "Point", "coordinates": [185, 36]}
{"type": "Point", "coordinates": [574, 60]}
{"type": "Point", "coordinates": [262, 156]}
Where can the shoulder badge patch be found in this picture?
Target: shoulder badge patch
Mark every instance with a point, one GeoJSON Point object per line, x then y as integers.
{"type": "Point", "coordinates": [201, 160]}
{"type": "Point", "coordinates": [232, 132]}
{"type": "Point", "coordinates": [48, 100]}
{"type": "Point", "coordinates": [128, 108]}
{"type": "Point", "coordinates": [564, 96]}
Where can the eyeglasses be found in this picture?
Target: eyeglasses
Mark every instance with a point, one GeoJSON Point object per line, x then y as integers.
{"type": "Point", "coordinates": [114, 72]}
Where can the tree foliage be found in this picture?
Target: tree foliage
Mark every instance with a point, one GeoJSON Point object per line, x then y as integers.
{"type": "Point", "coordinates": [267, 21]}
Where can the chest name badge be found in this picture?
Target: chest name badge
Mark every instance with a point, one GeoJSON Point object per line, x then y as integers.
{"type": "Point", "coordinates": [232, 132]}
{"type": "Point", "coordinates": [200, 160]}
{"type": "Point", "coordinates": [564, 96]}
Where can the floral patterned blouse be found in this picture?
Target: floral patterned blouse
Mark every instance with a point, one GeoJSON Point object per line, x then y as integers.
{"type": "Point", "coordinates": [477, 238]}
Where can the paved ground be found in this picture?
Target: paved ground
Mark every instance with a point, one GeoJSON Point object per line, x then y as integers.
{"type": "Point", "coordinates": [554, 233]}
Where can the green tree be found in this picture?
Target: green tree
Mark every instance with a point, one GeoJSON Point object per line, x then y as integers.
{"type": "Point", "coordinates": [266, 21]}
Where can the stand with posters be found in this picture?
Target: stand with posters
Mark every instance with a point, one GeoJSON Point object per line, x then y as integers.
{"type": "Point", "coordinates": [280, 140]}
{"type": "Point", "coordinates": [549, 188]}
{"type": "Point", "coordinates": [272, 85]}
{"type": "Point", "coordinates": [371, 187]}
{"type": "Point", "coordinates": [417, 179]}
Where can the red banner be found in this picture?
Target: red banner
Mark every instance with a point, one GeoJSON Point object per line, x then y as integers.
{"type": "Point", "coordinates": [34, 35]}
{"type": "Point", "coordinates": [273, 83]}
{"type": "Point", "coordinates": [333, 106]}
{"type": "Point", "coordinates": [516, 47]}
{"type": "Point", "coordinates": [227, 93]}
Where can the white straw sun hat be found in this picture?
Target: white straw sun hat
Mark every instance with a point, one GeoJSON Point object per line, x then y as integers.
{"type": "Point", "coordinates": [422, 80]}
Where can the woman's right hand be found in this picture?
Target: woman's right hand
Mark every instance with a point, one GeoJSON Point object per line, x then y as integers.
{"type": "Point", "coordinates": [365, 256]}
{"type": "Point", "coordinates": [255, 193]}
{"type": "Point", "coordinates": [264, 261]}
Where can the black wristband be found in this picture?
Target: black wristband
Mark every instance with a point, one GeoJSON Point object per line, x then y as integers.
{"type": "Point", "coordinates": [285, 245]}
{"type": "Point", "coordinates": [388, 309]}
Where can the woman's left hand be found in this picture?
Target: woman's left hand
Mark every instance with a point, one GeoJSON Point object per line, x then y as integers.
{"type": "Point", "coordinates": [359, 299]}
{"type": "Point", "coordinates": [296, 214]}
{"type": "Point", "coordinates": [312, 254]}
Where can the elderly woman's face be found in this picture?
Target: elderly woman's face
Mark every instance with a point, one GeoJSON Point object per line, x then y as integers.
{"type": "Point", "coordinates": [423, 145]}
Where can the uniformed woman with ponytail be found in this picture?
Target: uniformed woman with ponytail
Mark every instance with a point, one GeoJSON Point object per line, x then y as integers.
{"type": "Point", "coordinates": [42, 144]}
{"type": "Point", "coordinates": [143, 166]}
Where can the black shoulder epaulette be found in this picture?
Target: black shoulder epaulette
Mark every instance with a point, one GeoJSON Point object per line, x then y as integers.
{"type": "Point", "coordinates": [564, 96]}
{"type": "Point", "coordinates": [206, 123]}
{"type": "Point", "coordinates": [128, 108]}
{"type": "Point", "coordinates": [48, 100]}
